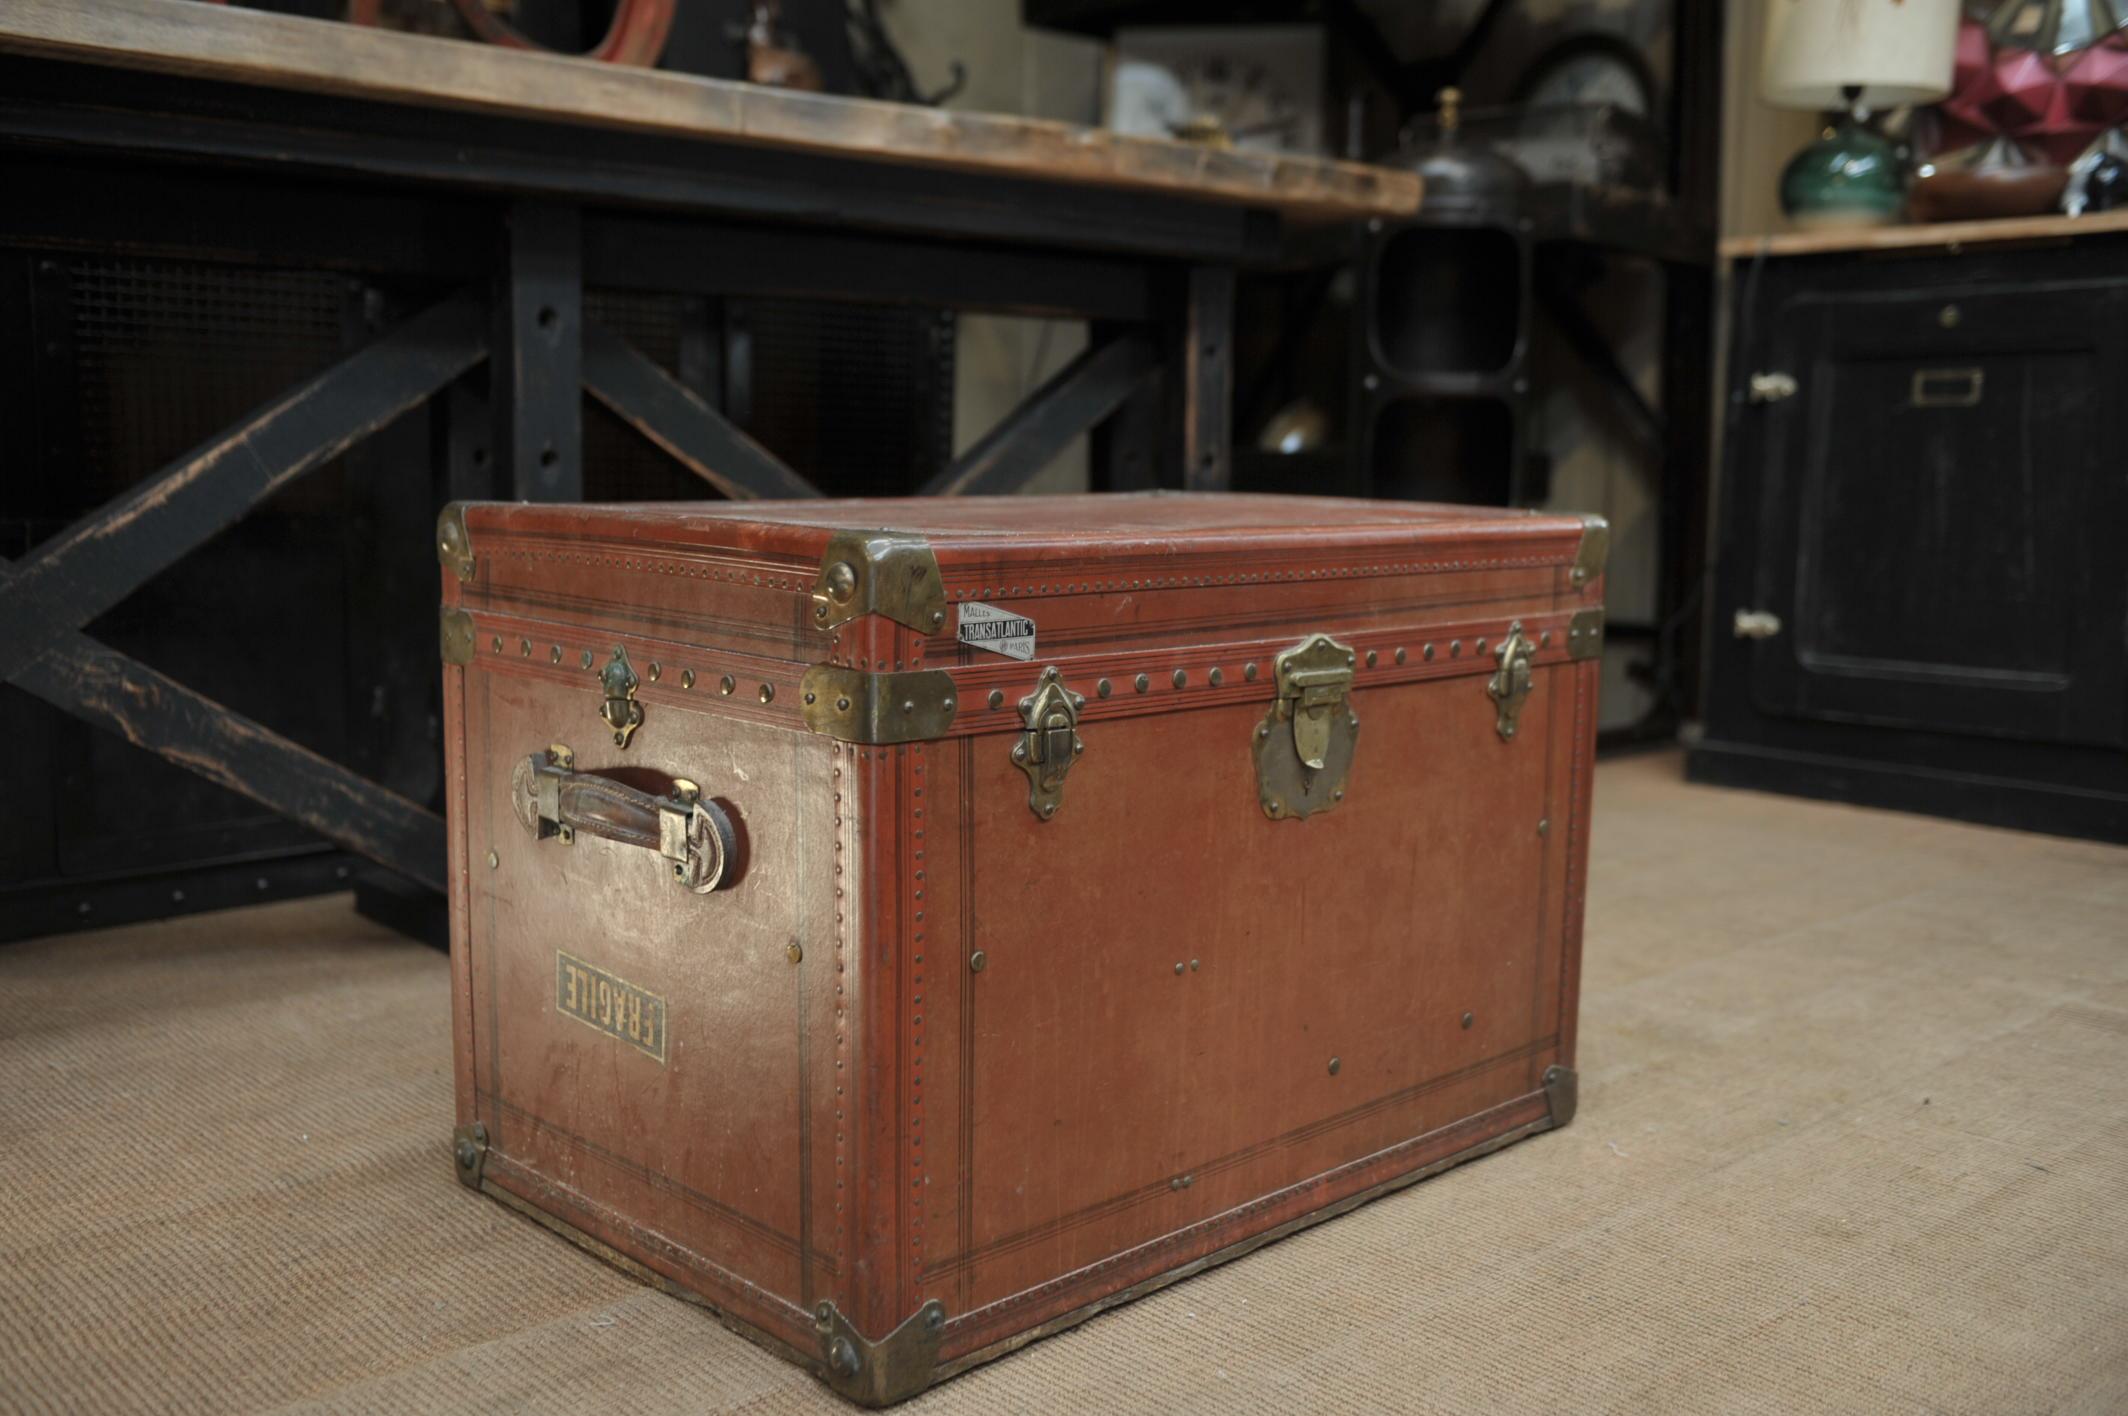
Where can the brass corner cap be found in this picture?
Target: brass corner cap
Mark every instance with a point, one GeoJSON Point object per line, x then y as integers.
{"type": "Point", "coordinates": [1562, 1092]}
{"type": "Point", "coordinates": [854, 706]}
{"type": "Point", "coordinates": [1594, 551]}
{"type": "Point", "coordinates": [454, 635]}
{"type": "Point", "coordinates": [891, 573]}
{"type": "Point", "coordinates": [454, 546]}
{"type": "Point", "coordinates": [895, 1368]}
{"type": "Point", "coordinates": [469, 1153]}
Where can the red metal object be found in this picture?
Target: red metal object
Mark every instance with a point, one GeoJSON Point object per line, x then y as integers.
{"type": "Point", "coordinates": [637, 35]}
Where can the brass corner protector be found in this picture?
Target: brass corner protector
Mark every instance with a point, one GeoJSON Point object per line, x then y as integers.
{"type": "Point", "coordinates": [1562, 1088]}
{"type": "Point", "coordinates": [855, 706]}
{"type": "Point", "coordinates": [469, 1153]}
{"type": "Point", "coordinates": [455, 637]}
{"type": "Point", "coordinates": [895, 1368]}
{"type": "Point", "coordinates": [454, 545]}
{"type": "Point", "coordinates": [1595, 550]}
{"type": "Point", "coordinates": [1584, 634]}
{"type": "Point", "coordinates": [889, 573]}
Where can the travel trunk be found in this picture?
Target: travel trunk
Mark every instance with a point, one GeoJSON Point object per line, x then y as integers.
{"type": "Point", "coordinates": [910, 927]}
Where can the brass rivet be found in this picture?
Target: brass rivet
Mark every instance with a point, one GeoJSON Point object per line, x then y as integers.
{"type": "Point", "coordinates": [1481, 645]}
{"type": "Point", "coordinates": [1335, 1066]}
{"type": "Point", "coordinates": [1455, 648]}
{"type": "Point", "coordinates": [768, 695]}
{"type": "Point", "coordinates": [809, 698]}
{"type": "Point", "coordinates": [657, 671]}
{"type": "Point", "coordinates": [493, 860]}
{"type": "Point", "coordinates": [554, 655]}
{"type": "Point", "coordinates": [587, 658]}
{"type": "Point", "coordinates": [997, 698]}
{"type": "Point", "coordinates": [1544, 640]}
{"type": "Point", "coordinates": [1400, 654]}
{"type": "Point", "coordinates": [977, 960]}
{"type": "Point", "coordinates": [1181, 678]}
{"type": "Point", "coordinates": [1178, 967]}
{"type": "Point", "coordinates": [842, 705]}
{"type": "Point", "coordinates": [1469, 1018]}
{"type": "Point", "coordinates": [1216, 678]}
{"type": "Point", "coordinates": [1373, 658]}
{"type": "Point", "coordinates": [841, 582]}
{"type": "Point", "coordinates": [524, 647]}
{"type": "Point", "coordinates": [496, 644]}
{"type": "Point", "coordinates": [1193, 966]}
{"type": "Point", "coordinates": [1544, 826]}
{"type": "Point", "coordinates": [726, 685]}
{"type": "Point", "coordinates": [687, 678]}
{"type": "Point", "coordinates": [1104, 688]}
{"type": "Point", "coordinates": [1141, 683]}
{"type": "Point", "coordinates": [794, 951]}
{"type": "Point", "coordinates": [1248, 671]}
{"type": "Point", "coordinates": [1426, 653]}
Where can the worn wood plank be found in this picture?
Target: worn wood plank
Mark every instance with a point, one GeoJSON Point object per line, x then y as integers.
{"type": "Point", "coordinates": [102, 558]}
{"type": "Point", "coordinates": [275, 51]}
{"type": "Point", "coordinates": [535, 355]}
{"type": "Point", "coordinates": [677, 419]}
{"type": "Point", "coordinates": [1075, 398]}
{"type": "Point", "coordinates": [99, 685]}
{"type": "Point", "coordinates": [1207, 362]}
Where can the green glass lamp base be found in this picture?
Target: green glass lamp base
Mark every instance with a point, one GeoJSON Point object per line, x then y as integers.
{"type": "Point", "coordinates": [1849, 177]}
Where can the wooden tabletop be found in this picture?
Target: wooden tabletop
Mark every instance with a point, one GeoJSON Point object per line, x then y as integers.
{"type": "Point", "coordinates": [1922, 235]}
{"type": "Point", "coordinates": [277, 51]}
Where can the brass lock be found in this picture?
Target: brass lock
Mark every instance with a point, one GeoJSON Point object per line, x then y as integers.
{"type": "Point", "coordinates": [620, 710]}
{"type": "Point", "coordinates": [1304, 744]}
{"type": "Point", "coordinates": [1050, 742]}
{"type": "Point", "coordinates": [1511, 682]}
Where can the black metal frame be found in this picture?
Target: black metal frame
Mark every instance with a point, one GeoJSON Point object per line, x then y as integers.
{"type": "Point", "coordinates": [510, 221]}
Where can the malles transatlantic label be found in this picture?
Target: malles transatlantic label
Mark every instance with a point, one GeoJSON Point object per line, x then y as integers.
{"type": "Point", "coordinates": [999, 631]}
{"type": "Point", "coordinates": [613, 1005]}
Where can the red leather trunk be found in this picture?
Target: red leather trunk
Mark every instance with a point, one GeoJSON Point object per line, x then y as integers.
{"type": "Point", "coordinates": [1019, 993]}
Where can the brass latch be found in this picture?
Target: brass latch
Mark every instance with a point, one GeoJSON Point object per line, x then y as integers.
{"type": "Point", "coordinates": [1050, 743]}
{"type": "Point", "coordinates": [621, 712]}
{"type": "Point", "coordinates": [1511, 682]}
{"type": "Point", "coordinates": [1304, 744]}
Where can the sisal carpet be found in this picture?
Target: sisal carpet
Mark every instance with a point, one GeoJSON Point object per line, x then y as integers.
{"type": "Point", "coordinates": [1853, 1137]}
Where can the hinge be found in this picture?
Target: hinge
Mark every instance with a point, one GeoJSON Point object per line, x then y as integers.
{"type": "Point", "coordinates": [1595, 549]}
{"type": "Point", "coordinates": [469, 1151]}
{"type": "Point", "coordinates": [889, 573]}
{"type": "Point", "coordinates": [895, 1368]}
{"type": "Point", "coordinates": [455, 637]}
{"type": "Point", "coordinates": [454, 545]}
{"type": "Point", "coordinates": [855, 706]}
{"type": "Point", "coordinates": [1584, 634]}
{"type": "Point", "coordinates": [1562, 1092]}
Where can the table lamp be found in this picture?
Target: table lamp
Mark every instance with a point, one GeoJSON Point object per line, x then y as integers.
{"type": "Point", "coordinates": [1853, 56]}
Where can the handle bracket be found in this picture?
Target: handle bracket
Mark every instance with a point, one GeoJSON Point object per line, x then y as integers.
{"type": "Point", "coordinates": [693, 837]}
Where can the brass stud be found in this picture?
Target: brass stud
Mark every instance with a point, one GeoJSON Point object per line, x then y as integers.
{"type": "Point", "coordinates": [842, 705]}
{"type": "Point", "coordinates": [1426, 653]}
{"type": "Point", "coordinates": [768, 695]}
{"type": "Point", "coordinates": [1248, 671]}
{"type": "Point", "coordinates": [726, 685]}
{"type": "Point", "coordinates": [587, 658]}
{"type": "Point", "coordinates": [794, 951]}
{"type": "Point", "coordinates": [1373, 658]}
{"type": "Point", "coordinates": [1544, 640]}
{"type": "Point", "coordinates": [1455, 648]}
{"type": "Point", "coordinates": [977, 961]}
{"type": "Point", "coordinates": [496, 644]}
{"type": "Point", "coordinates": [687, 678]}
{"type": "Point", "coordinates": [842, 582]}
{"type": "Point", "coordinates": [1469, 1018]}
{"type": "Point", "coordinates": [809, 698]}
{"type": "Point", "coordinates": [494, 860]}
{"type": "Point", "coordinates": [657, 671]}
{"type": "Point", "coordinates": [1193, 966]}
{"type": "Point", "coordinates": [524, 647]}
{"type": "Point", "coordinates": [1216, 678]}
{"type": "Point", "coordinates": [1181, 679]}
{"type": "Point", "coordinates": [1104, 688]}
{"type": "Point", "coordinates": [554, 655]}
{"type": "Point", "coordinates": [997, 698]}
{"type": "Point", "coordinates": [1481, 644]}
{"type": "Point", "coordinates": [1141, 683]}
{"type": "Point", "coordinates": [1544, 825]}
{"type": "Point", "coordinates": [1178, 968]}
{"type": "Point", "coordinates": [1400, 654]}
{"type": "Point", "coordinates": [1336, 1066]}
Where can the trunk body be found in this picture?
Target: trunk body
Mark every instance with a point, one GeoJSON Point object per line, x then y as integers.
{"type": "Point", "coordinates": [1025, 985]}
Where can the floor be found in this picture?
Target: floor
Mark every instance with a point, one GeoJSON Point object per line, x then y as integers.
{"type": "Point", "coordinates": [1853, 1136]}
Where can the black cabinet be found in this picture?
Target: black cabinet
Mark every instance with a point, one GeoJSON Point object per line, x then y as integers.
{"type": "Point", "coordinates": [1921, 593]}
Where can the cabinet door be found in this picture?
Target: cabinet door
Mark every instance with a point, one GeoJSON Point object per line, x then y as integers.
{"type": "Point", "coordinates": [1944, 513]}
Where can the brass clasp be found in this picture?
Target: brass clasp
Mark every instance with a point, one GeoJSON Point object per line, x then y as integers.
{"type": "Point", "coordinates": [620, 710]}
{"type": "Point", "coordinates": [1302, 769]}
{"type": "Point", "coordinates": [1050, 743]}
{"type": "Point", "coordinates": [1511, 682]}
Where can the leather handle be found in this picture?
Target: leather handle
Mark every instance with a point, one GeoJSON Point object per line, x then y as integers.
{"type": "Point", "coordinates": [693, 837]}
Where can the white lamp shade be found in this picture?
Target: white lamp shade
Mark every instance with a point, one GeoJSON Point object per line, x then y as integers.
{"type": "Point", "coordinates": [1895, 51]}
